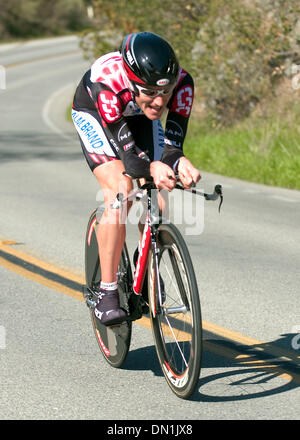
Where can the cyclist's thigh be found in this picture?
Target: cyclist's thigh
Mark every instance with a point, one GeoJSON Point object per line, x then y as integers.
{"type": "Point", "coordinates": [112, 180]}
{"type": "Point", "coordinates": [96, 146]}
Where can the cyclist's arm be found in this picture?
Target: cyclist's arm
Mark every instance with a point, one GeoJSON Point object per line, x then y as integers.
{"type": "Point", "coordinates": [180, 106]}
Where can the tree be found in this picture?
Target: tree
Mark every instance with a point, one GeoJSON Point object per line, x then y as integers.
{"type": "Point", "coordinates": [237, 50]}
{"type": "Point", "coordinates": [31, 18]}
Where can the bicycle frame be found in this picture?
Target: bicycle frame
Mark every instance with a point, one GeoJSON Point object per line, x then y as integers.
{"type": "Point", "coordinates": [148, 240]}
{"type": "Point", "coordinates": [142, 260]}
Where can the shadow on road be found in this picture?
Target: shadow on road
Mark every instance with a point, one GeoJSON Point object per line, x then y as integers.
{"type": "Point", "coordinates": [243, 375]}
{"type": "Point", "coordinates": [26, 146]}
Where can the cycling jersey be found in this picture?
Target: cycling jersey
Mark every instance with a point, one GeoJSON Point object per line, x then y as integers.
{"type": "Point", "coordinates": [105, 113]}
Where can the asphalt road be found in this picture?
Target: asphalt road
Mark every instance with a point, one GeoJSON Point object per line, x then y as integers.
{"type": "Point", "coordinates": [246, 258]}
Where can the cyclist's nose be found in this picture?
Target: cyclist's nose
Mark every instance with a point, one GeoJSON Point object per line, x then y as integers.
{"type": "Point", "coordinates": [159, 100]}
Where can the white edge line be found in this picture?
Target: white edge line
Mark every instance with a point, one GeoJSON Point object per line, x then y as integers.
{"type": "Point", "coordinates": [40, 42]}
{"type": "Point", "coordinates": [283, 199]}
{"type": "Point", "coordinates": [46, 111]}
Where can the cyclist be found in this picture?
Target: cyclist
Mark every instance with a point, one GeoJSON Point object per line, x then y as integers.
{"type": "Point", "coordinates": [116, 111]}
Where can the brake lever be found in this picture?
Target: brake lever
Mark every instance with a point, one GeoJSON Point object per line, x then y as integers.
{"type": "Point", "coordinates": [218, 189]}
{"type": "Point", "coordinates": [217, 193]}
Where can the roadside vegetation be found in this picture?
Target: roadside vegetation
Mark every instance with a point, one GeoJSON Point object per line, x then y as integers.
{"type": "Point", "coordinates": [259, 149]}
{"type": "Point", "coordinates": [23, 19]}
{"type": "Point", "coordinates": [244, 56]}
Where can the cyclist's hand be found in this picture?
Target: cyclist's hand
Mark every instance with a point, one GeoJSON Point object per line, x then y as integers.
{"type": "Point", "coordinates": [163, 175]}
{"type": "Point", "coordinates": [187, 173]}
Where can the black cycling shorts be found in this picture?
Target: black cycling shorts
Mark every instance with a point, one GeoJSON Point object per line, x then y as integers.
{"type": "Point", "coordinates": [99, 147]}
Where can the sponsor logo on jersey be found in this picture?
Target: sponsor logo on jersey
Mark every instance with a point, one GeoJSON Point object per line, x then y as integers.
{"type": "Point", "coordinates": [109, 106]}
{"type": "Point", "coordinates": [93, 137]}
{"type": "Point", "coordinates": [174, 129]}
{"type": "Point", "coordinates": [124, 133]}
{"type": "Point", "coordinates": [183, 101]}
{"type": "Point", "coordinates": [87, 130]}
{"type": "Point", "coordinates": [128, 146]}
{"type": "Point", "coordinates": [174, 134]}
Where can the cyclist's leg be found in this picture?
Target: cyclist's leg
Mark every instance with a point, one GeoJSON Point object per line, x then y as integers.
{"type": "Point", "coordinates": [107, 168]}
{"type": "Point", "coordinates": [111, 229]}
{"type": "Point", "coordinates": [111, 238]}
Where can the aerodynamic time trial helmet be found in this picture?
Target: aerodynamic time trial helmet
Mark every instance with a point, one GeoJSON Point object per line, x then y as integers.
{"type": "Point", "coordinates": [149, 60]}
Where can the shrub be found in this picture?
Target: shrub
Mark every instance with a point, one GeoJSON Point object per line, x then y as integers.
{"type": "Point", "coordinates": [34, 18]}
{"type": "Point", "coordinates": [237, 50]}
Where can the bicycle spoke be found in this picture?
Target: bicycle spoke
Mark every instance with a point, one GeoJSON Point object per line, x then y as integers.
{"type": "Point", "coordinates": [176, 341]}
{"type": "Point", "coordinates": [171, 278]}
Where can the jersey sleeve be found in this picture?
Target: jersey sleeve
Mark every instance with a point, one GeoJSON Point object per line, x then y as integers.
{"type": "Point", "coordinates": [180, 107]}
{"type": "Point", "coordinates": [110, 107]}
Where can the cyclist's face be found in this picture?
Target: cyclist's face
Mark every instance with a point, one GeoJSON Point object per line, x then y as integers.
{"type": "Point", "coordinates": [153, 106]}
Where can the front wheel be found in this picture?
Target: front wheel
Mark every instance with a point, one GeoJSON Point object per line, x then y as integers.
{"type": "Point", "coordinates": [175, 314]}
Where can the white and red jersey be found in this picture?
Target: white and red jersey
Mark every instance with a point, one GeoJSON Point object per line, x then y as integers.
{"type": "Point", "coordinates": [106, 87]}
{"type": "Point", "coordinates": [117, 100]}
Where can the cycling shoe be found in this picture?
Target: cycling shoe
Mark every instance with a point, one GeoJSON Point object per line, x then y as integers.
{"type": "Point", "coordinates": [108, 310]}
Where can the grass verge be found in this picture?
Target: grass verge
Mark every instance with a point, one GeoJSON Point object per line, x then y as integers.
{"type": "Point", "coordinates": [69, 113]}
{"type": "Point", "coordinates": [261, 149]}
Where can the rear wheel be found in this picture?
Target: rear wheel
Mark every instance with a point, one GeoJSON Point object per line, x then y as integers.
{"type": "Point", "coordinates": [114, 342]}
{"type": "Point", "coordinates": [176, 317]}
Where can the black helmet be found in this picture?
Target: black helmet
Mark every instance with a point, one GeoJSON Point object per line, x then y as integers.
{"type": "Point", "coordinates": [149, 59]}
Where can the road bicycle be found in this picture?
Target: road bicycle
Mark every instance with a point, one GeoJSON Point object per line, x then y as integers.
{"type": "Point", "coordinates": [173, 299]}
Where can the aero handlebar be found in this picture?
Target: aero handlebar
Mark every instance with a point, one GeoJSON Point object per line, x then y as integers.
{"type": "Point", "coordinates": [149, 185]}
{"type": "Point", "coordinates": [213, 196]}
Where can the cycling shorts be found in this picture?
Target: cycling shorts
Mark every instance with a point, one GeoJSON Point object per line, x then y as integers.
{"type": "Point", "coordinates": [99, 146]}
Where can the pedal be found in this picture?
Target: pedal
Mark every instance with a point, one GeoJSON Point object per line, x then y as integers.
{"type": "Point", "coordinates": [91, 303]}
{"type": "Point", "coordinates": [89, 297]}
{"type": "Point", "coordinates": [85, 291]}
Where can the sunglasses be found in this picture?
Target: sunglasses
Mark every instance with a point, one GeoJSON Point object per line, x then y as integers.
{"type": "Point", "coordinates": [153, 93]}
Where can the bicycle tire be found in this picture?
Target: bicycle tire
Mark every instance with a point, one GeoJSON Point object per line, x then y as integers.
{"type": "Point", "coordinates": [114, 342]}
{"type": "Point", "coordinates": [176, 323]}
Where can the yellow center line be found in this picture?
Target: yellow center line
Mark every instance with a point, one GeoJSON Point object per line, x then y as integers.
{"type": "Point", "coordinates": [254, 345]}
{"type": "Point", "coordinates": [59, 287]}
{"type": "Point", "coordinates": [40, 279]}
{"type": "Point", "coordinates": [248, 360]}
{"type": "Point", "coordinates": [5, 246]}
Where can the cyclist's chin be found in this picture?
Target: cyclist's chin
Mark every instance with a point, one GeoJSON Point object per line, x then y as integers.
{"type": "Point", "coordinates": [153, 113]}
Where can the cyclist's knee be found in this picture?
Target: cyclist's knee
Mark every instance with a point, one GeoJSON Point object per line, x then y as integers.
{"type": "Point", "coordinates": [112, 181]}
{"type": "Point", "coordinates": [111, 178]}
{"type": "Point", "coordinates": [114, 215]}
